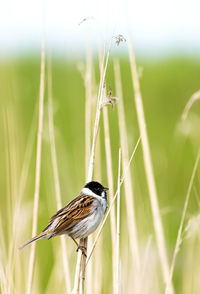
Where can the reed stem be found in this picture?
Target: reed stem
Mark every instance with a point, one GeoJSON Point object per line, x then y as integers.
{"type": "Point", "coordinates": [149, 169]}
{"type": "Point", "coordinates": [37, 170]}
{"type": "Point", "coordinates": [56, 177]}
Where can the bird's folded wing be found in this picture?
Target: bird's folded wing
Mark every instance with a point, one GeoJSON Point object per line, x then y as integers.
{"type": "Point", "coordinates": [67, 217]}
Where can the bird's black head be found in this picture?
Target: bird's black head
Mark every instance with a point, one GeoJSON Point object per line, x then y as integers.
{"type": "Point", "coordinates": [96, 188]}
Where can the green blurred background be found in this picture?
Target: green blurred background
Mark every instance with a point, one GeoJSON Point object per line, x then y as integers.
{"type": "Point", "coordinates": [166, 83]}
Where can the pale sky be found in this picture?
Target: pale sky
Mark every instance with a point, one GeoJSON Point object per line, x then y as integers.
{"type": "Point", "coordinates": [155, 25]}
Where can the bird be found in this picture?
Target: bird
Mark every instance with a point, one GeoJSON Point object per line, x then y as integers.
{"type": "Point", "coordinates": [79, 218]}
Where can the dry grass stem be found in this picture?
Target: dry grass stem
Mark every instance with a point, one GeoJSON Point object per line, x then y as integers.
{"type": "Point", "coordinates": [149, 170]}
{"type": "Point", "coordinates": [192, 100]}
{"type": "Point", "coordinates": [89, 178]}
{"type": "Point", "coordinates": [77, 274]}
{"type": "Point", "coordinates": [88, 108]}
{"type": "Point", "coordinates": [145, 262]}
{"type": "Point", "coordinates": [98, 112]}
{"type": "Point", "coordinates": [96, 285]}
{"type": "Point", "coordinates": [88, 122]}
{"type": "Point", "coordinates": [56, 177]}
{"type": "Point", "coordinates": [16, 179]}
{"type": "Point", "coordinates": [109, 169]}
{"type": "Point", "coordinates": [11, 181]}
{"type": "Point", "coordinates": [178, 240]}
{"type": "Point", "coordinates": [129, 192]}
{"type": "Point", "coordinates": [118, 284]}
{"type": "Point", "coordinates": [37, 171]}
{"type": "Point", "coordinates": [13, 255]}
{"type": "Point", "coordinates": [111, 204]}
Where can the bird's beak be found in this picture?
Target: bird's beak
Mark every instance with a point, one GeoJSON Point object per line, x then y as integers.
{"type": "Point", "coordinates": [105, 189]}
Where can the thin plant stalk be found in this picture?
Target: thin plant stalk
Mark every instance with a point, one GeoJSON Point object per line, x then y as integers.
{"type": "Point", "coordinates": [8, 169]}
{"type": "Point", "coordinates": [22, 185]}
{"type": "Point", "coordinates": [77, 274]}
{"type": "Point", "coordinates": [88, 119]}
{"type": "Point", "coordinates": [112, 203]}
{"type": "Point", "coordinates": [191, 101]}
{"type": "Point", "coordinates": [118, 284]}
{"type": "Point", "coordinates": [7, 271]}
{"type": "Point", "coordinates": [88, 108]}
{"type": "Point", "coordinates": [158, 226]}
{"type": "Point", "coordinates": [56, 178]}
{"type": "Point", "coordinates": [98, 270]}
{"type": "Point", "coordinates": [3, 278]}
{"type": "Point", "coordinates": [98, 112]}
{"type": "Point", "coordinates": [110, 185]}
{"type": "Point", "coordinates": [129, 192]}
{"type": "Point", "coordinates": [178, 240]}
{"type": "Point", "coordinates": [143, 272]}
{"type": "Point", "coordinates": [38, 168]}
{"type": "Point", "coordinates": [109, 169]}
{"type": "Point", "coordinates": [97, 276]}
{"type": "Point", "coordinates": [83, 242]}
{"type": "Point", "coordinates": [12, 180]}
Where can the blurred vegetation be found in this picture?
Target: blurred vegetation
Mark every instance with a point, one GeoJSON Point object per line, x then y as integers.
{"type": "Point", "coordinates": [166, 86]}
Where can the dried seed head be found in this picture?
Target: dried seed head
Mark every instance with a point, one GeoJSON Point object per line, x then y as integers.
{"type": "Point", "coordinates": [109, 99]}
{"type": "Point", "coordinates": [119, 39]}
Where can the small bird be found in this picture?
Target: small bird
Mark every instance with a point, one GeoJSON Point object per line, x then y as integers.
{"type": "Point", "coordinates": [79, 218]}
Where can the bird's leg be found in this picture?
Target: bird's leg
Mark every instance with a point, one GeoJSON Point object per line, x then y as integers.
{"type": "Point", "coordinates": [82, 248]}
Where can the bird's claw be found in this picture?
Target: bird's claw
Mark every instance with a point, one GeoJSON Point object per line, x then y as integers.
{"type": "Point", "coordinates": [83, 249]}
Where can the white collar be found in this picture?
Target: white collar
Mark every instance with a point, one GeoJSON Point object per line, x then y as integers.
{"type": "Point", "coordinates": [88, 192]}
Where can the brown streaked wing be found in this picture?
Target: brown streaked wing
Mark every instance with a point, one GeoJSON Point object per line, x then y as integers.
{"type": "Point", "coordinates": [70, 215]}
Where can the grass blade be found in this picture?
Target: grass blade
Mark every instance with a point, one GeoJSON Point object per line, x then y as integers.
{"type": "Point", "coordinates": [178, 240]}
{"type": "Point", "coordinates": [129, 193]}
{"type": "Point", "coordinates": [160, 239]}
{"type": "Point", "coordinates": [38, 167]}
{"type": "Point", "coordinates": [56, 178]}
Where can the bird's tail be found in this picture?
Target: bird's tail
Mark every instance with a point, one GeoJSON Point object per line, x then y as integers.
{"type": "Point", "coordinates": [38, 237]}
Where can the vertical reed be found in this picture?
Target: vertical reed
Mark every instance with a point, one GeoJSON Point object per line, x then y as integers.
{"type": "Point", "coordinates": [98, 273]}
{"type": "Point", "coordinates": [149, 169]}
{"type": "Point", "coordinates": [109, 168]}
{"type": "Point", "coordinates": [56, 177]}
{"type": "Point", "coordinates": [111, 187]}
{"type": "Point", "coordinates": [129, 193]}
{"type": "Point", "coordinates": [118, 282]}
{"type": "Point", "coordinates": [178, 240]}
{"type": "Point", "coordinates": [83, 242]}
{"type": "Point", "coordinates": [88, 119]}
{"type": "Point", "coordinates": [112, 202]}
{"type": "Point", "coordinates": [37, 170]}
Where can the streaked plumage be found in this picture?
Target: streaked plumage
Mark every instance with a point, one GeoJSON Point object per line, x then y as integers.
{"type": "Point", "coordinates": [80, 217]}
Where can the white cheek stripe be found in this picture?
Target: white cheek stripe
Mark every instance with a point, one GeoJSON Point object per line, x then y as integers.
{"type": "Point", "coordinates": [103, 194]}
{"type": "Point", "coordinates": [90, 193]}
